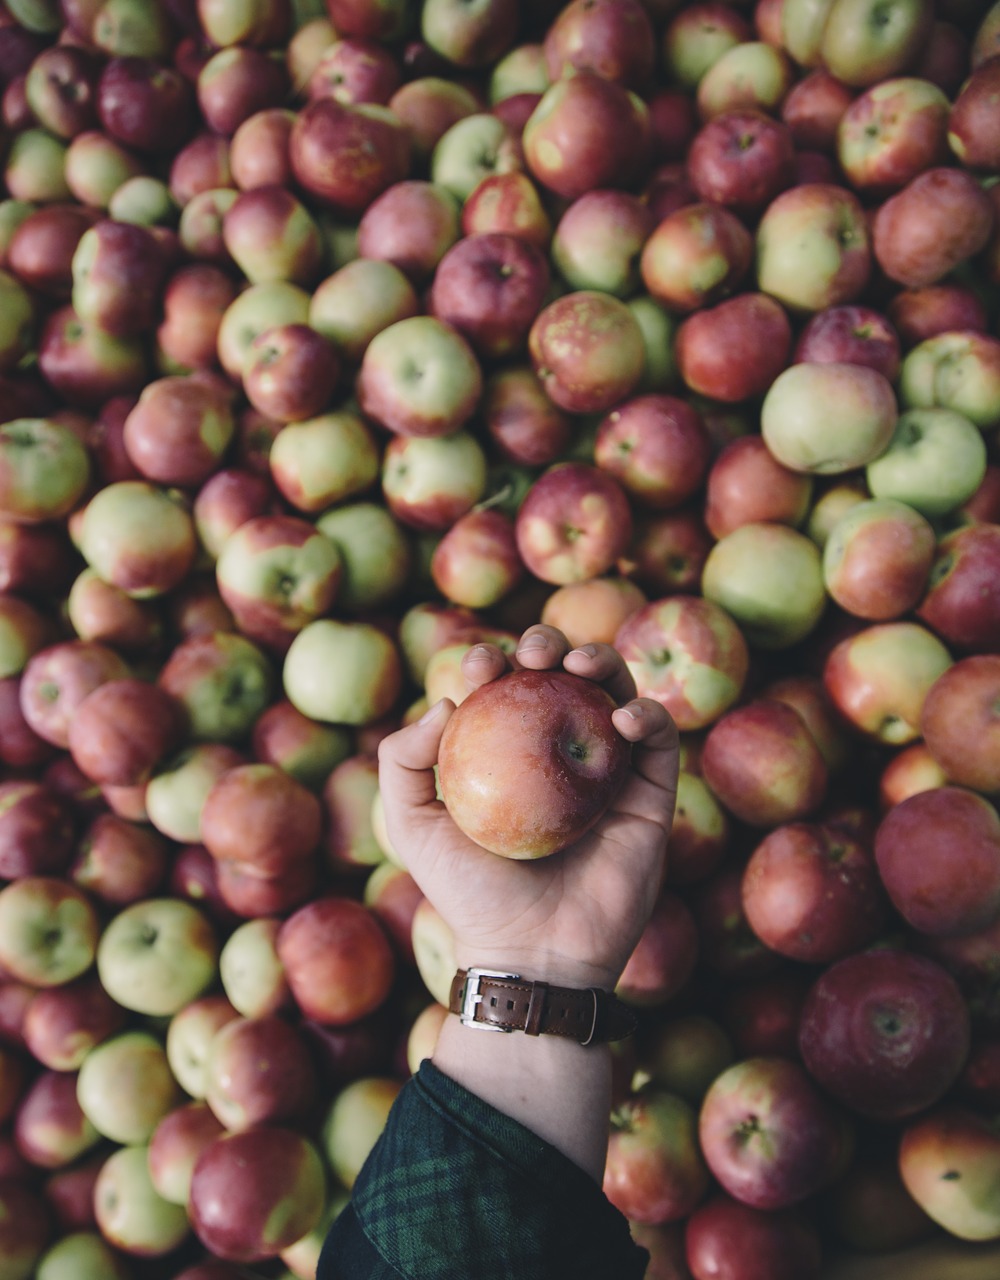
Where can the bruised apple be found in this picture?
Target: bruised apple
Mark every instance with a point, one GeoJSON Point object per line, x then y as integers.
{"type": "Point", "coordinates": [528, 763]}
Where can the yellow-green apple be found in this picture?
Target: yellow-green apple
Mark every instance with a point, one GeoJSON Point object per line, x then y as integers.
{"type": "Point", "coordinates": [957, 370]}
{"type": "Point", "coordinates": [189, 1035]}
{"type": "Point", "coordinates": [879, 677]}
{"type": "Point", "coordinates": [558, 724]}
{"type": "Point", "coordinates": [271, 235]}
{"type": "Point", "coordinates": [886, 1032]}
{"type": "Point", "coordinates": [226, 500]}
{"type": "Point", "coordinates": [50, 1129]}
{"type": "Point", "coordinates": [352, 71]}
{"type": "Point", "coordinates": [734, 350]}
{"type": "Point", "coordinates": [429, 481]}
{"type": "Point", "coordinates": [302, 747]}
{"type": "Point", "coordinates": [130, 1214]}
{"type": "Point", "coordinates": [254, 309]}
{"type": "Point", "coordinates": [276, 574]}
{"type": "Point", "coordinates": [599, 239]}
{"type": "Point", "coordinates": [34, 169]}
{"type": "Point", "coordinates": [949, 1160]}
{"type": "Point", "coordinates": [358, 301]}
{"type": "Point", "coordinates": [509, 203]}
{"type": "Point", "coordinates": [27, 1227]}
{"type": "Point", "coordinates": [684, 1055]}
{"type": "Point", "coordinates": [346, 155]}
{"type": "Point", "coordinates": [48, 931]}
{"type": "Point", "coordinates": [16, 328]}
{"type": "Point", "coordinates": [688, 654]}
{"type": "Point", "coordinates": [258, 150]}
{"type": "Point", "coordinates": [769, 1135]}
{"type": "Point", "coordinates": [177, 789]}
{"type": "Point", "coordinates": [862, 43]}
{"type": "Point", "coordinates": [523, 423]}
{"type": "Point", "coordinates": [428, 106]}
{"type": "Point", "coordinates": [291, 372]}
{"type": "Point", "coordinates": [354, 1122]}
{"type": "Point", "coordinates": [44, 469]}
{"type": "Point", "coordinates": [586, 132]}
{"type": "Point", "coordinates": [122, 729]}
{"type": "Point", "coordinates": [961, 603]}
{"type": "Point", "coordinates": [260, 816]}
{"type": "Point", "coordinates": [125, 1086]}
{"type": "Point", "coordinates": [472, 148]}
{"type": "Point", "coordinates": [119, 861]}
{"type": "Point", "coordinates": [587, 350]}
{"type": "Point", "coordinates": [367, 665]}
{"type": "Point", "coordinates": [423, 1034]}
{"type": "Point", "coordinates": [742, 159]}
{"type": "Point", "coordinates": [935, 461]}
{"type": "Point", "coordinates": [938, 854]}
{"type": "Point", "coordinates": [37, 830]}
{"type": "Point", "coordinates": [175, 1145]}
{"type": "Point", "coordinates": [259, 1071]}
{"type": "Point", "coordinates": [746, 484]}
{"type": "Point", "coordinates": [574, 523]}
{"type": "Point", "coordinates": [419, 377]}
{"type": "Point", "coordinates": [104, 613]}
{"type": "Point", "coordinates": [490, 287]}
{"type": "Point", "coordinates": [61, 87]}
{"type": "Point", "coordinates": [62, 1024]}
{"type": "Point", "coordinates": [348, 795]}
{"type": "Point", "coordinates": [237, 82]}
{"type": "Point", "coordinates": [723, 1236]}
{"type": "Point", "coordinates": [657, 447]}
{"type": "Point", "coordinates": [157, 955]}
{"type": "Point", "coordinates": [224, 681]}
{"type": "Point", "coordinates": [701, 832]}
{"type": "Point", "coordinates": [937, 221]}
{"type": "Point", "coordinates": [803, 431]}
{"type": "Point", "coordinates": [412, 225]}
{"type": "Point", "coordinates": [260, 24]}
{"type": "Point", "coordinates": [57, 679]}
{"type": "Point", "coordinates": [877, 559]}
{"type": "Point", "coordinates": [834, 500]}
{"type": "Point", "coordinates": [118, 273]}
{"type": "Point", "coordinates": [375, 554]}
{"type": "Point", "coordinates": [138, 537]}
{"type": "Point", "coordinates": [199, 229]}
{"type": "Point", "coordinates": [320, 461]}
{"type": "Point", "coordinates": [769, 578]}
{"type": "Point", "coordinates": [337, 960]}
{"type": "Point", "coordinates": [970, 134]}
{"type": "Point", "coordinates": [960, 724]}
{"type": "Point", "coordinates": [850, 335]}
{"type": "Point", "coordinates": [752, 75]}
{"type": "Point", "coordinates": [695, 256]}
{"type": "Point", "coordinates": [86, 365]}
{"type": "Point", "coordinates": [697, 36]}
{"type": "Point", "coordinates": [762, 763]}
{"type": "Point", "coordinates": [655, 1170]}
{"type": "Point", "coordinates": [664, 958]}
{"type": "Point", "coordinates": [252, 976]}
{"type": "Point", "coordinates": [891, 133]}
{"type": "Point", "coordinates": [812, 247]}
{"type": "Point", "coordinates": [477, 563]}
{"type": "Point", "coordinates": [429, 626]}
{"type": "Point", "coordinates": [812, 893]}
{"type": "Point", "coordinates": [81, 1255]}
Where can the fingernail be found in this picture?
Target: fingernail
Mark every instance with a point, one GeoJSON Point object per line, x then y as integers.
{"type": "Point", "coordinates": [431, 712]}
{"type": "Point", "coordinates": [633, 713]}
{"type": "Point", "coordinates": [588, 650]}
{"type": "Point", "coordinates": [531, 643]}
{"type": "Point", "coordinates": [478, 653]}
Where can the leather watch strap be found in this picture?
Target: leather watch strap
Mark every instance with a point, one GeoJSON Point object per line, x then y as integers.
{"type": "Point", "coordinates": [506, 1002]}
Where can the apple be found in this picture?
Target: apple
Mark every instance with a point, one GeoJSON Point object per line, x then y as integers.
{"type": "Point", "coordinates": [224, 682]}
{"type": "Point", "coordinates": [44, 469]}
{"type": "Point", "coordinates": [920, 846]}
{"type": "Point", "coordinates": [120, 861]}
{"type": "Point", "coordinates": [345, 155]}
{"type": "Point", "coordinates": [725, 1237]}
{"type": "Point", "coordinates": [746, 484]}
{"type": "Point", "coordinates": [948, 1160]}
{"type": "Point", "coordinates": [734, 350]}
{"type": "Point", "coordinates": [354, 70]}
{"type": "Point", "coordinates": [769, 578]}
{"type": "Point", "coordinates": [125, 1086]}
{"type": "Point", "coordinates": [259, 1072]}
{"type": "Point", "coordinates": [969, 134]}
{"type": "Point", "coordinates": [37, 830]}
{"type": "Point", "coordinates": [850, 335]}
{"type": "Point", "coordinates": [175, 1145]}
{"type": "Point", "coordinates": [122, 729]}
{"type": "Point", "coordinates": [665, 957]}
{"type": "Point", "coordinates": [81, 1255]}
{"type": "Point", "coordinates": [561, 724]}
{"type": "Point", "coordinates": [573, 524]}
{"type": "Point", "coordinates": [291, 372]}
{"type": "Point", "coordinates": [367, 664]}
{"type": "Point", "coordinates": [586, 349]}
{"type": "Point", "coordinates": [156, 955]}
{"type": "Point", "coordinates": [476, 563]}
{"type": "Point", "coordinates": [62, 1024]}
{"type": "Point", "coordinates": [255, 309]}
{"type": "Point", "coordinates": [26, 1229]}
{"type": "Point", "coordinates": [763, 764]}
{"type": "Point", "coordinates": [965, 695]}
{"type": "Point", "coordinates": [130, 1213]}
{"type": "Point", "coordinates": [700, 833]}
{"type": "Point", "coordinates": [357, 301]}
{"type": "Point", "coordinates": [655, 1171]}
{"type": "Point", "coordinates": [50, 1129]}
{"type": "Point", "coordinates": [695, 256]}
{"type": "Point", "coordinates": [337, 960]}
{"type": "Point", "coordinates": [104, 613]}
{"type": "Point", "coordinates": [86, 365]}
{"type": "Point", "coordinates": [189, 1035]}
{"type": "Point", "coordinates": [412, 225]}
{"type": "Point", "coordinates": [375, 554]}
{"type": "Point", "coordinates": [48, 931]}
{"type": "Point", "coordinates": [258, 150]}
{"type": "Point", "coordinates": [179, 429]}
{"type": "Point", "coordinates": [354, 1122]}
{"type": "Point", "coordinates": [303, 748]}
{"type": "Point", "coordinates": [769, 1135]}
{"type": "Point", "coordinates": [250, 971]}
{"type": "Point", "coordinates": [260, 816]}
{"type": "Point", "coordinates": [741, 159]}
{"type": "Point", "coordinates": [938, 220]}
{"type": "Point", "coordinates": [200, 227]}
{"type": "Point", "coordinates": [657, 447]}
{"type": "Point", "coordinates": [138, 537]}
{"type": "Point", "coordinates": [322, 460]}
{"type": "Point", "coordinates": [175, 793]}
{"type": "Point", "coordinates": [957, 370]}
{"type": "Point", "coordinates": [235, 83]}
{"type": "Point", "coordinates": [753, 74]}
{"type": "Point", "coordinates": [598, 241]}
{"type": "Point", "coordinates": [877, 559]}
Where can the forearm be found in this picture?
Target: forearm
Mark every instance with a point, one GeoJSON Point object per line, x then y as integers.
{"type": "Point", "coordinates": [558, 1089]}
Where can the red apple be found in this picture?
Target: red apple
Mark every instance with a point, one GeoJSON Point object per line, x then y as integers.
{"type": "Point", "coordinates": [960, 723]}
{"type": "Point", "coordinates": [734, 350]}
{"type": "Point", "coordinates": [258, 815]}
{"type": "Point", "coordinates": [655, 1172]}
{"type": "Point", "coordinates": [259, 1072]}
{"type": "Point", "coordinates": [122, 729]}
{"type": "Point", "coordinates": [725, 1239]}
{"type": "Point", "coordinates": [587, 350]}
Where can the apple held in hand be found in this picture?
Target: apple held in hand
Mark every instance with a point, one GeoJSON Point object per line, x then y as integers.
{"type": "Point", "coordinates": [530, 762]}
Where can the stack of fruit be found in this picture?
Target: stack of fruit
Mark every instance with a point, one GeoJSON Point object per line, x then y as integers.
{"type": "Point", "coordinates": [335, 338]}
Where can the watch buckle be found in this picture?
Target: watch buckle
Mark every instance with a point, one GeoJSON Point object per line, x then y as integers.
{"type": "Point", "coordinates": [471, 998]}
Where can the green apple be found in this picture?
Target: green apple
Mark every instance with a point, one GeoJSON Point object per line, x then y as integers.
{"type": "Point", "coordinates": [48, 931]}
{"type": "Point", "coordinates": [130, 1213]}
{"type": "Point", "coordinates": [324, 460]}
{"type": "Point", "coordinates": [82, 1255]}
{"type": "Point", "coordinates": [375, 553]}
{"type": "Point", "coordinates": [472, 149]}
{"type": "Point", "coordinates": [125, 1086]}
{"type": "Point", "coordinates": [17, 320]}
{"type": "Point", "coordinates": [434, 951]}
{"type": "Point", "coordinates": [224, 682]}
{"type": "Point", "coordinates": [157, 955]}
{"type": "Point", "coordinates": [175, 794]}
{"type": "Point", "coordinates": [354, 1122]}
{"type": "Point", "coordinates": [342, 672]}
{"type": "Point", "coordinates": [259, 307]}
{"type": "Point", "coordinates": [189, 1035]}
{"type": "Point", "coordinates": [935, 462]}
{"type": "Point", "coordinates": [358, 301]}
{"type": "Point", "coordinates": [253, 977]}
{"type": "Point", "coordinates": [44, 469]}
{"type": "Point", "coordinates": [959, 371]}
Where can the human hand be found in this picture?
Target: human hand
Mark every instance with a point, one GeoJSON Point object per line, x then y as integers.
{"type": "Point", "coordinates": [574, 917]}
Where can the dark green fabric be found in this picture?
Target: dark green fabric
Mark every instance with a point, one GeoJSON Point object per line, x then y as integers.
{"type": "Point", "coordinates": [455, 1188]}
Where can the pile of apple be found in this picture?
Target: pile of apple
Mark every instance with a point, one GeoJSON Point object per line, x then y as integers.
{"type": "Point", "coordinates": [337, 338]}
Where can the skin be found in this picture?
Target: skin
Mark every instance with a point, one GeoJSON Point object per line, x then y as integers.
{"type": "Point", "coordinates": [572, 919]}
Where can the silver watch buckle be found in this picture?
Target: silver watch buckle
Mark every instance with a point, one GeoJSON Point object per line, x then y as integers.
{"type": "Point", "coordinates": [471, 998]}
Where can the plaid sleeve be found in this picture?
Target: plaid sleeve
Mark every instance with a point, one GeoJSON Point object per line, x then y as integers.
{"type": "Point", "coordinates": [455, 1188]}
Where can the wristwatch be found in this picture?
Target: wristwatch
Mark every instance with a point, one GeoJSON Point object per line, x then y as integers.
{"type": "Point", "coordinates": [492, 1001]}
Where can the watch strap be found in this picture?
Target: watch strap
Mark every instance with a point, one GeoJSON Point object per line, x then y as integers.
{"type": "Point", "coordinates": [494, 1001]}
